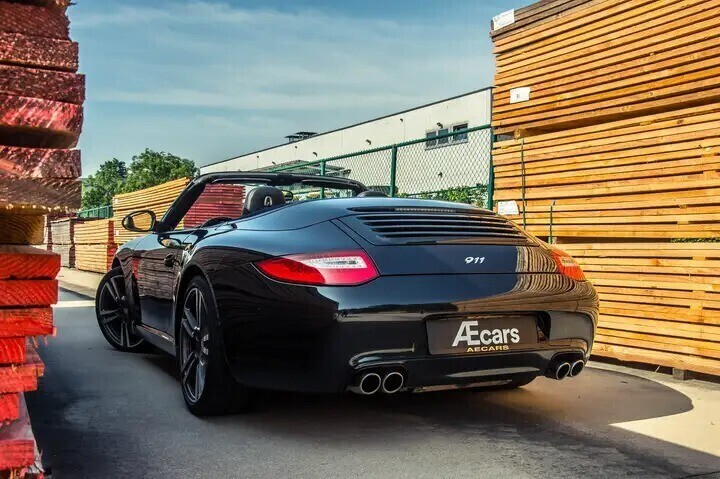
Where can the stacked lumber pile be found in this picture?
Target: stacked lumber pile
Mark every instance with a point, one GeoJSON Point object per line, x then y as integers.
{"type": "Point", "coordinates": [156, 198]}
{"type": "Point", "coordinates": [613, 114]}
{"type": "Point", "coordinates": [41, 97]}
{"type": "Point", "coordinates": [216, 201]}
{"type": "Point", "coordinates": [95, 245]}
{"type": "Point", "coordinates": [63, 243]}
{"type": "Point", "coordinates": [27, 289]}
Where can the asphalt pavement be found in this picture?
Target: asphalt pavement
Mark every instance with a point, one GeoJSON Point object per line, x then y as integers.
{"type": "Point", "coordinates": [102, 413]}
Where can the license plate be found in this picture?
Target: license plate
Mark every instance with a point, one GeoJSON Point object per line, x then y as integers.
{"type": "Point", "coordinates": [474, 335]}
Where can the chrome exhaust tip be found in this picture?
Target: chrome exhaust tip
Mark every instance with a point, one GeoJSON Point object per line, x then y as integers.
{"type": "Point", "coordinates": [369, 383]}
{"type": "Point", "coordinates": [576, 368]}
{"type": "Point", "coordinates": [392, 382]}
{"type": "Point", "coordinates": [562, 371]}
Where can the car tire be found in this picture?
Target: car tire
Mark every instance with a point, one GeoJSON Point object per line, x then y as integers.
{"type": "Point", "coordinates": [205, 379]}
{"type": "Point", "coordinates": [112, 310]}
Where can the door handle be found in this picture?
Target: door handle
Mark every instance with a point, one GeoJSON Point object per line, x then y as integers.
{"type": "Point", "coordinates": [169, 260]}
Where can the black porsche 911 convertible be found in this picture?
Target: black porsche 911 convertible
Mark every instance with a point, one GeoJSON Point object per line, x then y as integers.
{"type": "Point", "coordinates": [361, 293]}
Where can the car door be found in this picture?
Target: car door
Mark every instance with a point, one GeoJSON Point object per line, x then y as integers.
{"type": "Point", "coordinates": [159, 257]}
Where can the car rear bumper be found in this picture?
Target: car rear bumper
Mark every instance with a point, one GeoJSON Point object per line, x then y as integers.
{"type": "Point", "coordinates": [317, 339]}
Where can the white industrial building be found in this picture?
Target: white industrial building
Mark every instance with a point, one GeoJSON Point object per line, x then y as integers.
{"type": "Point", "coordinates": [431, 165]}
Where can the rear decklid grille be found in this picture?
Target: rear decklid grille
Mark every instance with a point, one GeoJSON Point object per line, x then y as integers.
{"type": "Point", "coordinates": [403, 225]}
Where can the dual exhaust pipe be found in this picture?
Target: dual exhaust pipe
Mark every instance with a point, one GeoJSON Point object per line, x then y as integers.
{"type": "Point", "coordinates": [565, 369]}
{"type": "Point", "coordinates": [372, 382]}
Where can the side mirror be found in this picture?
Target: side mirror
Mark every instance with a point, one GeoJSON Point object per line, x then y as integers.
{"type": "Point", "coordinates": [140, 221]}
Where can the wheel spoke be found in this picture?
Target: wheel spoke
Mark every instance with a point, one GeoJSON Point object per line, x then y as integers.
{"type": "Point", "coordinates": [198, 307]}
{"type": "Point", "coordinates": [122, 334]}
{"type": "Point", "coordinates": [190, 318]}
{"type": "Point", "coordinates": [190, 364]}
{"type": "Point", "coordinates": [199, 379]}
{"type": "Point", "coordinates": [110, 315]}
{"type": "Point", "coordinates": [113, 290]}
{"type": "Point", "coordinates": [189, 329]}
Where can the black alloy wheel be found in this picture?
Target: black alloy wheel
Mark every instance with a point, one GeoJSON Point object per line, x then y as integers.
{"type": "Point", "coordinates": [112, 309]}
{"type": "Point", "coordinates": [194, 352]}
{"type": "Point", "coordinates": [207, 385]}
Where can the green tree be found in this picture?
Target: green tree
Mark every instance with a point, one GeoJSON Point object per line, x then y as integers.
{"type": "Point", "coordinates": [109, 180]}
{"type": "Point", "coordinates": [151, 168]}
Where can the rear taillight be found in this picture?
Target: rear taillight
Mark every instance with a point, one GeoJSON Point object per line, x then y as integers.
{"type": "Point", "coordinates": [567, 265]}
{"type": "Point", "coordinates": [336, 268]}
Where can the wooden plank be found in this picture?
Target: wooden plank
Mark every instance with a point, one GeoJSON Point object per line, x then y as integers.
{"type": "Point", "coordinates": [18, 162]}
{"type": "Point", "coordinates": [21, 292]}
{"type": "Point", "coordinates": [9, 408]}
{"type": "Point", "coordinates": [38, 123]}
{"type": "Point", "coordinates": [21, 229]}
{"type": "Point", "coordinates": [660, 34]}
{"type": "Point", "coordinates": [38, 52]}
{"type": "Point", "coordinates": [527, 17]}
{"type": "Point", "coordinates": [34, 20]}
{"type": "Point", "coordinates": [661, 343]}
{"type": "Point", "coordinates": [20, 322]}
{"type": "Point", "coordinates": [17, 443]}
{"type": "Point", "coordinates": [50, 192]}
{"type": "Point", "coordinates": [12, 350]}
{"type": "Point", "coordinates": [579, 18]}
{"type": "Point", "coordinates": [23, 377]}
{"type": "Point", "coordinates": [24, 262]}
{"type": "Point", "coordinates": [47, 84]}
{"type": "Point", "coordinates": [691, 363]}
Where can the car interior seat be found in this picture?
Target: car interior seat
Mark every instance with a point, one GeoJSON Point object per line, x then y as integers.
{"type": "Point", "coordinates": [371, 194]}
{"type": "Point", "coordinates": [261, 198]}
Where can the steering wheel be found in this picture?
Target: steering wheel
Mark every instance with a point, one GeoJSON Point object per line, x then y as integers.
{"type": "Point", "coordinates": [215, 221]}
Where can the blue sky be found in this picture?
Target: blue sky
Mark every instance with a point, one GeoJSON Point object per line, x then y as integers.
{"type": "Point", "coordinates": [209, 79]}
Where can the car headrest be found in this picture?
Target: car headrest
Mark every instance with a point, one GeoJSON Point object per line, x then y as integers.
{"type": "Point", "coordinates": [371, 194]}
{"type": "Point", "coordinates": [262, 197]}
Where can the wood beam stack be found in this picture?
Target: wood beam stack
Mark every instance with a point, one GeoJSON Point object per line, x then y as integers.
{"type": "Point", "coordinates": [610, 113]}
{"type": "Point", "coordinates": [63, 239]}
{"type": "Point", "coordinates": [156, 199]}
{"type": "Point", "coordinates": [41, 97]}
{"type": "Point", "coordinates": [27, 289]}
{"type": "Point", "coordinates": [95, 245]}
{"type": "Point", "coordinates": [216, 201]}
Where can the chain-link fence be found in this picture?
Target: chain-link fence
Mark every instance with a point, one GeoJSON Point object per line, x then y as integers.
{"type": "Point", "coordinates": [455, 166]}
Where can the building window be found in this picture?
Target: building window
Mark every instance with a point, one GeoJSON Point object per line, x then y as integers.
{"type": "Point", "coordinates": [432, 140]}
{"type": "Point", "coordinates": [460, 136]}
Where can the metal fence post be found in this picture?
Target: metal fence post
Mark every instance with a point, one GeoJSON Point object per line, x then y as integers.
{"type": "Point", "coordinates": [322, 173]}
{"type": "Point", "coordinates": [393, 169]}
{"type": "Point", "coordinates": [491, 175]}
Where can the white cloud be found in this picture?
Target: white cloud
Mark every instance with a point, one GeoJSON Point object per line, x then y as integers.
{"type": "Point", "coordinates": [231, 64]}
